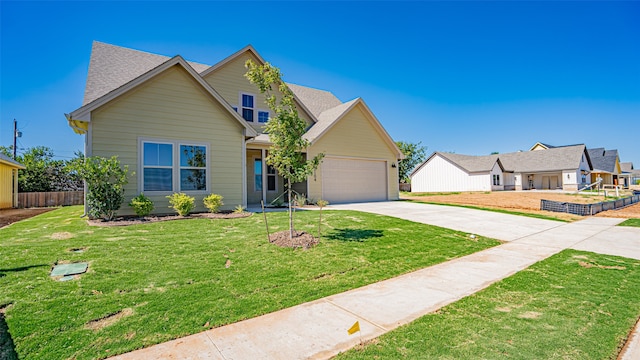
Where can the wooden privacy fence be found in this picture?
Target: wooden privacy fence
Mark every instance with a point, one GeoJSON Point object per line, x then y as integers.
{"type": "Point", "coordinates": [587, 209]}
{"type": "Point", "coordinates": [405, 187]}
{"type": "Point", "coordinates": [46, 199]}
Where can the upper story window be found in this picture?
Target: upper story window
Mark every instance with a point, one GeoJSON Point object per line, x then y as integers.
{"type": "Point", "coordinates": [248, 109]}
{"type": "Point", "coordinates": [173, 166]}
{"type": "Point", "coordinates": [247, 106]}
{"type": "Point", "coordinates": [263, 116]}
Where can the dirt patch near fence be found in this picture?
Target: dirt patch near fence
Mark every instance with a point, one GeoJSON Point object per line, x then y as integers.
{"type": "Point", "coordinates": [9, 216]}
{"type": "Point", "coordinates": [522, 201]}
{"type": "Point", "coordinates": [629, 212]}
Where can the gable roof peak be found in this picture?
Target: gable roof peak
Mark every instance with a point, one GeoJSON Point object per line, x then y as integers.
{"type": "Point", "coordinates": [112, 66]}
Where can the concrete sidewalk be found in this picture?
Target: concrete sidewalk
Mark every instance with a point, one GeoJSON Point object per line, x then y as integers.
{"type": "Point", "coordinates": [318, 330]}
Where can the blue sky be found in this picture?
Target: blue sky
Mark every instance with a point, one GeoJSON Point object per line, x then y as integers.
{"type": "Point", "coordinates": [467, 77]}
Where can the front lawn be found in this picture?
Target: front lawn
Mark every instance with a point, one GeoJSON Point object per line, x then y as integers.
{"type": "Point", "coordinates": [631, 222]}
{"type": "Point", "coordinates": [573, 305]}
{"type": "Point", "coordinates": [150, 283]}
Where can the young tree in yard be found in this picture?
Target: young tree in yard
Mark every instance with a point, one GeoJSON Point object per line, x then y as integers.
{"type": "Point", "coordinates": [414, 154]}
{"type": "Point", "coordinates": [105, 183]}
{"type": "Point", "coordinates": [285, 130]}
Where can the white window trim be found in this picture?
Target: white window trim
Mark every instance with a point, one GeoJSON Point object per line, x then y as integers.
{"type": "Point", "coordinates": [175, 167]}
{"type": "Point", "coordinates": [254, 108]}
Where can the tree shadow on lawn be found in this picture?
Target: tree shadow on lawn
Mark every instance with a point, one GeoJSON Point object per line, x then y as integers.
{"type": "Point", "coordinates": [22, 268]}
{"type": "Point", "coordinates": [7, 347]}
{"type": "Point", "coordinates": [359, 235]}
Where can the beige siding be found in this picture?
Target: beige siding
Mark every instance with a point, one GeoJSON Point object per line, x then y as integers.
{"type": "Point", "coordinates": [171, 106]}
{"type": "Point", "coordinates": [229, 82]}
{"type": "Point", "coordinates": [6, 186]}
{"type": "Point", "coordinates": [354, 136]}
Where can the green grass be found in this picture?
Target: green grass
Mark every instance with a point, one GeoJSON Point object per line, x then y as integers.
{"type": "Point", "coordinates": [574, 305]}
{"type": "Point", "coordinates": [502, 211]}
{"type": "Point", "coordinates": [631, 222]}
{"type": "Point", "coordinates": [406, 193]}
{"type": "Point", "coordinates": [170, 277]}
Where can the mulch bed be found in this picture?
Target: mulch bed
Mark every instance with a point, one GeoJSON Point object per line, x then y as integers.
{"type": "Point", "coordinates": [300, 239]}
{"type": "Point", "coordinates": [9, 216]}
{"type": "Point", "coordinates": [134, 220]}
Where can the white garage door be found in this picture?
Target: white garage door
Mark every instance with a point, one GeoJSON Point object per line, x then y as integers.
{"type": "Point", "coordinates": [353, 180]}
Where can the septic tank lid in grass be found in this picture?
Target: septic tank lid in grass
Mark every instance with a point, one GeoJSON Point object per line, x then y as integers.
{"type": "Point", "coordinates": [67, 270]}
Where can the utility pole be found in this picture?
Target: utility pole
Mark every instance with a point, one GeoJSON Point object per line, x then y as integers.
{"type": "Point", "coordinates": [16, 135]}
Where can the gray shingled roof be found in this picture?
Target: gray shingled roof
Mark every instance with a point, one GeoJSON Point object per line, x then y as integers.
{"type": "Point", "coordinates": [471, 163]}
{"type": "Point", "coordinates": [603, 160]}
{"type": "Point", "coordinates": [326, 119]}
{"type": "Point", "coordinates": [552, 159]}
{"type": "Point", "coordinates": [626, 167]}
{"type": "Point", "coordinates": [9, 160]}
{"type": "Point", "coordinates": [112, 66]}
{"type": "Point", "coordinates": [315, 100]}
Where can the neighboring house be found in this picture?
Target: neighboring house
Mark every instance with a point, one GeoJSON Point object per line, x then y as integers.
{"type": "Point", "coordinates": [199, 129]}
{"type": "Point", "coordinates": [606, 165]}
{"type": "Point", "coordinates": [9, 182]}
{"type": "Point", "coordinates": [563, 168]}
{"type": "Point", "coordinates": [627, 176]}
{"type": "Point", "coordinates": [541, 146]}
{"type": "Point", "coordinates": [447, 172]}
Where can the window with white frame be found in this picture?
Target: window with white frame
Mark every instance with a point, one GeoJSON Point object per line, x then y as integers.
{"type": "Point", "coordinates": [193, 167]}
{"type": "Point", "coordinates": [157, 166]}
{"type": "Point", "coordinates": [247, 103]}
{"type": "Point", "coordinates": [171, 166]}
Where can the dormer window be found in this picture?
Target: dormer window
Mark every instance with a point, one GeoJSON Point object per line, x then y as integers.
{"type": "Point", "coordinates": [247, 107]}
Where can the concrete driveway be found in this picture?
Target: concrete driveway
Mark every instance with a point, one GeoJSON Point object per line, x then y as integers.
{"type": "Point", "coordinates": [595, 234]}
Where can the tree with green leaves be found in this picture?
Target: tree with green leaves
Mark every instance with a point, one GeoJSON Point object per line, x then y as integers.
{"type": "Point", "coordinates": [43, 173]}
{"type": "Point", "coordinates": [414, 155]}
{"type": "Point", "coordinates": [285, 130]}
{"type": "Point", "coordinates": [105, 180]}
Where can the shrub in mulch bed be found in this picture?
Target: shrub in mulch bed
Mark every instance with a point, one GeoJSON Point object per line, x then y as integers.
{"type": "Point", "coordinates": [134, 220]}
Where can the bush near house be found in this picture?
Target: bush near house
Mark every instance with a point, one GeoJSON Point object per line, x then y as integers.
{"type": "Point", "coordinates": [181, 203]}
{"type": "Point", "coordinates": [142, 205]}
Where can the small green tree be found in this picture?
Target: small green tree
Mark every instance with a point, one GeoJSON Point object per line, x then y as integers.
{"type": "Point", "coordinates": [285, 130]}
{"type": "Point", "coordinates": [414, 154]}
{"type": "Point", "coordinates": [105, 180]}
